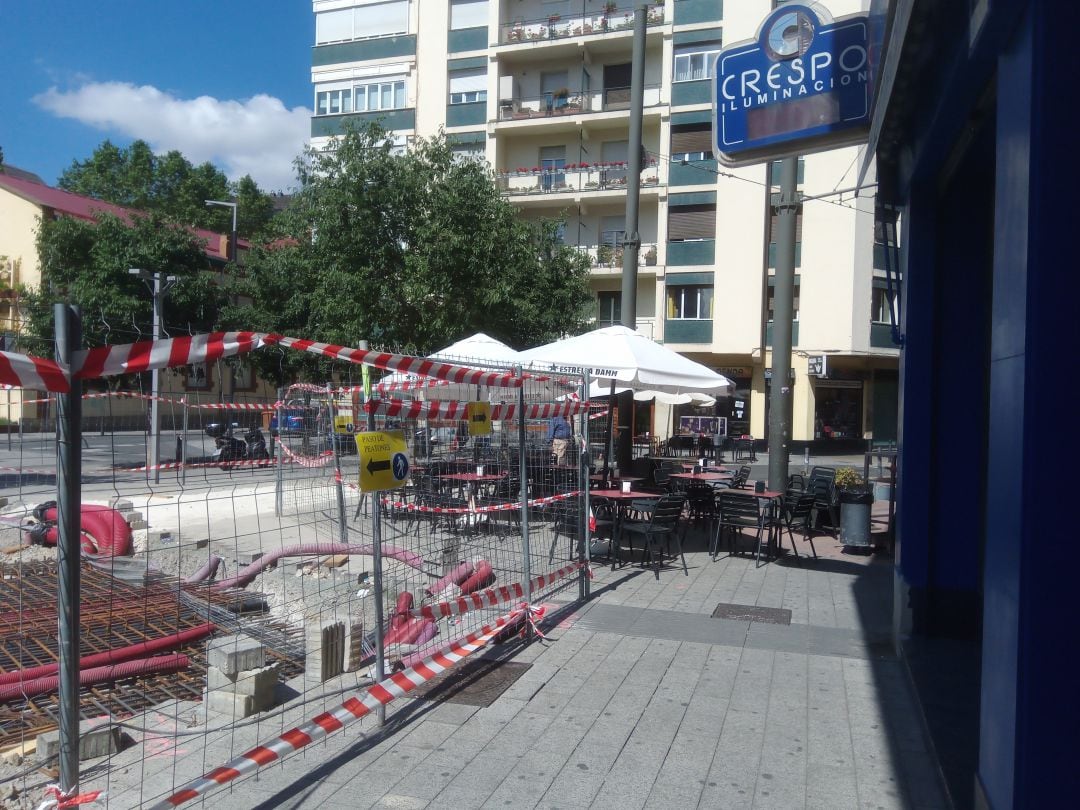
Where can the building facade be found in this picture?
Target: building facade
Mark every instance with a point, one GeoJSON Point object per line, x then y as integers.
{"type": "Point", "coordinates": [540, 90]}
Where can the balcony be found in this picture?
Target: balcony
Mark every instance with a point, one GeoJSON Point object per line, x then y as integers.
{"type": "Point", "coordinates": [691, 252]}
{"type": "Point", "coordinates": [323, 126]}
{"type": "Point", "coordinates": [575, 25]}
{"type": "Point", "coordinates": [698, 91]}
{"type": "Point", "coordinates": [610, 257]}
{"type": "Point", "coordinates": [573, 179]}
{"type": "Point", "coordinates": [362, 50]}
{"type": "Point", "coordinates": [570, 103]}
{"type": "Point", "coordinates": [679, 330]}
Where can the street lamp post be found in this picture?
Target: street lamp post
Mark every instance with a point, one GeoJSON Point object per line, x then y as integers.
{"type": "Point", "coordinates": [159, 284]}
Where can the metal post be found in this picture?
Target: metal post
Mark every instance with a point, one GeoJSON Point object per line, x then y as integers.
{"type": "Point", "coordinates": [583, 482]}
{"type": "Point", "coordinates": [68, 328]}
{"type": "Point", "coordinates": [155, 387]}
{"type": "Point", "coordinates": [343, 528]}
{"type": "Point", "coordinates": [184, 443]}
{"type": "Point", "coordinates": [783, 310]}
{"type": "Point", "coordinates": [631, 237]}
{"type": "Point", "coordinates": [279, 477]}
{"type": "Point", "coordinates": [523, 472]}
{"type": "Point", "coordinates": [376, 557]}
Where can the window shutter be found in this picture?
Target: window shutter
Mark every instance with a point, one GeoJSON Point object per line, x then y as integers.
{"type": "Point", "coordinates": [468, 14]}
{"type": "Point", "coordinates": [691, 138]}
{"type": "Point", "coordinates": [691, 222]}
{"type": "Point", "coordinates": [467, 81]}
{"type": "Point", "coordinates": [334, 26]}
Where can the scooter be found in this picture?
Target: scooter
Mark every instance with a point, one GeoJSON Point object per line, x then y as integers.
{"type": "Point", "coordinates": [256, 444]}
{"type": "Point", "coordinates": [226, 447]}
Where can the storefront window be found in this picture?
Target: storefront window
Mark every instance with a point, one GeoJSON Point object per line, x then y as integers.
{"type": "Point", "coordinates": [838, 411]}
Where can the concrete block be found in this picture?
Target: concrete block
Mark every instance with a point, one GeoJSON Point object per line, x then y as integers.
{"type": "Point", "coordinates": [3, 502]}
{"type": "Point", "coordinates": [121, 505]}
{"type": "Point", "coordinates": [230, 704]}
{"type": "Point", "coordinates": [261, 683]}
{"type": "Point", "coordinates": [162, 538]}
{"type": "Point", "coordinates": [235, 654]}
{"type": "Point", "coordinates": [244, 558]}
{"type": "Point", "coordinates": [136, 520]}
{"type": "Point", "coordinates": [97, 738]}
{"type": "Point", "coordinates": [333, 641]}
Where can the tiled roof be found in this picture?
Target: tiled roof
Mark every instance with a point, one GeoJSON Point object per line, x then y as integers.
{"type": "Point", "coordinates": [80, 207]}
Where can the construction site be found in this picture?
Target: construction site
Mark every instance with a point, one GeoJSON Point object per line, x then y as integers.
{"type": "Point", "coordinates": [233, 579]}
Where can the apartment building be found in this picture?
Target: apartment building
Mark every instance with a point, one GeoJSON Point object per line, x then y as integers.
{"type": "Point", "coordinates": [540, 89]}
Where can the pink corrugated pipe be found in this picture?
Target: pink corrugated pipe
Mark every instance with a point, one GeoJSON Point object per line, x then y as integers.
{"type": "Point", "coordinates": [207, 571]}
{"type": "Point", "coordinates": [114, 656]}
{"type": "Point", "coordinates": [309, 549]}
{"type": "Point", "coordinates": [161, 665]}
{"type": "Point", "coordinates": [457, 575]}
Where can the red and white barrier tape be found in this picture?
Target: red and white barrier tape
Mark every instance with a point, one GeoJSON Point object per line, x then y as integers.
{"type": "Point", "coordinates": [319, 727]}
{"type": "Point", "coordinates": [491, 597]}
{"type": "Point", "coordinates": [416, 409]}
{"type": "Point", "coordinates": [55, 799]}
{"type": "Point", "coordinates": [476, 510]}
{"type": "Point", "coordinates": [180, 465]}
{"type": "Point", "coordinates": [321, 460]}
{"type": "Point", "coordinates": [24, 371]}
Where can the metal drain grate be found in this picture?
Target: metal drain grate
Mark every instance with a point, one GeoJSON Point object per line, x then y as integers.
{"type": "Point", "coordinates": [752, 613]}
{"type": "Point", "coordinates": [474, 683]}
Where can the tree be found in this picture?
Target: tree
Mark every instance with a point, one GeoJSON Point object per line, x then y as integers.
{"type": "Point", "coordinates": [410, 251]}
{"type": "Point", "coordinates": [169, 185]}
{"type": "Point", "coordinates": [86, 263]}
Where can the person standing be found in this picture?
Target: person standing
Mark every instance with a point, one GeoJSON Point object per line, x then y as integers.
{"type": "Point", "coordinates": [559, 434]}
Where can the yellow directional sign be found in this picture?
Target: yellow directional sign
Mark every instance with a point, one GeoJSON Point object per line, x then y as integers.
{"type": "Point", "coordinates": [384, 460]}
{"type": "Point", "coordinates": [343, 424]}
{"type": "Point", "coordinates": [479, 414]}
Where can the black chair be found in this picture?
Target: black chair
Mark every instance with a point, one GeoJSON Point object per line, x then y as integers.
{"type": "Point", "coordinates": [504, 521]}
{"type": "Point", "coordinates": [738, 511]}
{"type": "Point", "coordinates": [820, 485]}
{"type": "Point", "coordinates": [798, 516]}
{"type": "Point", "coordinates": [660, 529]}
{"type": "Point", "coordinates": [567, 522]}
{"type": "Point", "coordinates": [742, 475]}
{"type": "Point", "coordinates": [744, 449]}
{"type": "Point", "coordinates": [603, 517]}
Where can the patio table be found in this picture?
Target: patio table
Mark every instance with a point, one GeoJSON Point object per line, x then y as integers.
{"type": "Point", "coordinates": [622, 501]}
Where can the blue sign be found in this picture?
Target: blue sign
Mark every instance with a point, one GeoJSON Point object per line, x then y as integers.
{"type": "Point", "coordinates": [801, 86]}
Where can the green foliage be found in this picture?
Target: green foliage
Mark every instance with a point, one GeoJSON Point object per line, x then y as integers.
{"type": "Point", "coordinates": [86, 263]}
{"type": "Point", "coordinates": [848, 478]}
{"type": "Point", "coordinates": [411, 251]}
{"type": "Point", "coordinates": [168, 185]}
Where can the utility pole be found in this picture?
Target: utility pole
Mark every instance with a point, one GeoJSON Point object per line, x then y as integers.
{"type": "Point", "coordinates": [631, 237]}
{"type": "Point", "coordinates": [158, 287]}
{"type": "Point", "coordinates": [783, 311]}
{"type": "Point", "coordinates": [68, 330]}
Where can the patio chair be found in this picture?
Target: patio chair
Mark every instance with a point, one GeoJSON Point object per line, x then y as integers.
{"type": "Point", "coordinates": [742, 475]}
{"type": "Point", "coordinates": [820, 485]}
{"type": "Point", "coordinates": [658, 530]}
{"type": "Point", "coordinates": [738, 511]}
{"type": "Point", "coordinates": [798, 516]}
{"type": "Point", "coordinates": [567, 523]}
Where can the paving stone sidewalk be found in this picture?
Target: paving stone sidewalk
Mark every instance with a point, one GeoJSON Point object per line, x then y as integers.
{"type": "Point", "coordinates": [635, 699]}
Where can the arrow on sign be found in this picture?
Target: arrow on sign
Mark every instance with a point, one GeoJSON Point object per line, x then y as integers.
{"type": "Point", "coordinates": [374, 466]}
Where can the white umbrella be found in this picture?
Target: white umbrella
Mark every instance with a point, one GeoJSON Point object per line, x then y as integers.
{"type": "Point", "coordinates": [478, 348]}
{"type": "Point", "coordinates": [631, 360]}
{"type": "Point", "coordinates": [599, 390]}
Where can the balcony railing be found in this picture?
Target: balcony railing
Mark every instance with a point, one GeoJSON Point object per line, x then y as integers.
{"type": "Point", "coordinates": [611, 256]}
{"type": "Point", "coordinates": [574, 102]}
{"type": "Point", "coordinates": [576, 25]}
{"type": "Point", "coordinates": [572, 177]}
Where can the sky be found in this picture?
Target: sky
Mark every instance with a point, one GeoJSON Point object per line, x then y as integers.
{"type": "Point", "coordinates": [228, 81]}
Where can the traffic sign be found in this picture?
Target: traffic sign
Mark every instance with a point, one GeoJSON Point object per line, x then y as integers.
{"type": "Point", "coordinates": [479, 415]}
{"type": "Point", "coordinates": [384, 460]}
{"type": "Point", "coordinates": [802, 85]}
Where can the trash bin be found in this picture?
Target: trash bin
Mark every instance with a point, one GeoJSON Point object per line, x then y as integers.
{"type": "Point", "coordinates": [855, 507]}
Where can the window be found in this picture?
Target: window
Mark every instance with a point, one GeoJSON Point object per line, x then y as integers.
{"type": "Point", "coordinates": [468, 14]}
{"type": "Point", "coordinates": [362, 22]}
{"type": "Point", "coordinates": [380, 96]}
{"type": "Point", "coordinates": [691, 142]}
{"type": "Point", "coordinates": [689, 222]}
{"type": "Point", "coordinates": [690, 303]}
{"type": "Point", "coordinates": [333, 102]}
{"type": "Point", "coordinates": [693, 62]}
{"type": "Point", "coordinates": [794, 300]}
{"type": "Point", "coordinates": [468, 151]}
{"type": "Point", "coordinates": [881, 304]}
{"type": "Point", "coordinates": [609, 308]}
{"type": "Point", "coordinates": [198, 377]}
{"type": "Point", "coordinates": [468, 86]}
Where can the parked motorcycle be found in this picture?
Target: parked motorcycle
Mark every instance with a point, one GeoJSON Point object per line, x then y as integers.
{"type": "Point", "coordinates": [226, 446]}
{"type": "Point", "coordinates": [256, 444]}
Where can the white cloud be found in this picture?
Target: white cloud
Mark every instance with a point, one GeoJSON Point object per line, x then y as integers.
{"type": "Point", "coordinates": [256, 136]}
